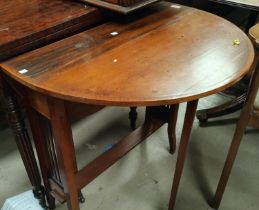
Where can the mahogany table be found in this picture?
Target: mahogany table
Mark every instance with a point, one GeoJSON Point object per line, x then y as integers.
{"type": "Point", "coordinates": [174, 53]}
{"type": "Point", "coordinates": [30, 24]}
{"type": "Point", "coordinates": [237, 103]}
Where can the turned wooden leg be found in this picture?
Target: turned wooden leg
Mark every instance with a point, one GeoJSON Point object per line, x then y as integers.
{"type": "Point", "coordinates": [187, 127]}
{"type": "Point", "coordinates": [39, 133]}
{"type": "Point", "coordinates": [173, 113]}
{"type": "Point", "coordinates": [133, 117]}
{"type": "Point", "coordinates": [62, 132]}
{"type": "Point", "coordinates": [17, 124]}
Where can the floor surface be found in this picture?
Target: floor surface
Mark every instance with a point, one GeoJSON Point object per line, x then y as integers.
{"type": "Point", "coordinates": [142, 179]}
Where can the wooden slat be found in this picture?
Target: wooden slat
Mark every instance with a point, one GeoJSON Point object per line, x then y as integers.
{"type": "Point", "coordinates": [107, 159]}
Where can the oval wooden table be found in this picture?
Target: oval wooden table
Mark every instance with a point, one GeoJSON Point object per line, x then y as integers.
{"type": "Point", "coordinates": [159, 57]}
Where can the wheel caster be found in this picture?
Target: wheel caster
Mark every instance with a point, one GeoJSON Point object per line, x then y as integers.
{"type": "Point", "coordinates": [81, 198]}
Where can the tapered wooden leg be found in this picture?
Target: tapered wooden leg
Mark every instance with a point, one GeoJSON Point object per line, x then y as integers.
{"type": "Point", "coordinates": [133, 117]}
{"type": "Point", "coordinates": [62, 132]}
{"type": "Point", "coordinates": [17, 124]}
{"type": "Point", "coordinates": [187, 127]}
{"type": "Point", "coordinates": [240, 129]}
{"type": "Point", "coordinates": [38, 133]}
{"type": "Point", "coordinates": [173, 113]}
{"type": "Point", "coordinates": [243, 121]}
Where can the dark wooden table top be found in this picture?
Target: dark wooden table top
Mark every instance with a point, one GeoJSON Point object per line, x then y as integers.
{"type": "Point", "coordinates": [248, 4]}
{"type": "Point", "coordinates": [27, 24]}
{"type": "Point", "coordinates": [167, 54]}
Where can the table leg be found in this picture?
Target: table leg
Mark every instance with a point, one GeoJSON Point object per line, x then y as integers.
{"type": "Point", "coordinates": [173, 113]}
{"type": "Point", "coordinates": [133, 117]}
{"type": "Point", "coordinates": [243, 121]}
{"type": "Point", "coordinates": [62, 132]}
{"type": "Point", "coordinates": [187, 127]}
{"type": "Point", "coordinates": [232, 153]}
{"type": "Point", "coordinates": [17, 124]}
{"type": "Point", "coordinates": [39, 133]}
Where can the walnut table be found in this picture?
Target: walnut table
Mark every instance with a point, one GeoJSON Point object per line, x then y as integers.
{"type": "Point", "coordinates": [162, 56]}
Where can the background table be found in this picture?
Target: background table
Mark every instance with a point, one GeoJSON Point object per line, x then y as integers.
{"type": "Point", "coordinates": [29, 24]}
{"type": "Point", "coordinates": [160, 57]}
{"type": "Point", "coordinates": [247, 4]}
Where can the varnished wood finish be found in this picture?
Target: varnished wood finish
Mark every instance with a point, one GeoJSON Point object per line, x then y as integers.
{"type": "Point", "coordinates": [16, 122]}
{"type": "Point", "coordinates": [237, 103]}
{"type": "Point", "coordinates": [90, 172]}
{"type": "Point", "coordinates": [186, 132]}
{"type": "Point", "coordinates": [39, 133]}
{"type": "Point", "coordinates": [100, 62]}
{"type": "Point", "coordinates": [28, 24]}
{"type": "Point", "coordinates": [65, 151]}
{"type": "Point", "coordinates": [245, 117]}
{"type": "Point", "coordinates": [173, 113]}
{"type": "Point", "coordinates": [156, 58]}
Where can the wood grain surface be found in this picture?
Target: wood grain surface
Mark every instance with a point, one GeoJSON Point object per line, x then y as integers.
{"type": "Point", "coordinates": [25, 24]}
{"type": "Point", "coordinates": [165, 55]}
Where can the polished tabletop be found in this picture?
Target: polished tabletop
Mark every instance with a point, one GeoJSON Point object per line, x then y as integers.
{"type": "Point", "coordinates": [166, 54]}
{"type": "Point", "coordinates": [249, 4]}
{"type": "Point", "coordinates": [24, 21]}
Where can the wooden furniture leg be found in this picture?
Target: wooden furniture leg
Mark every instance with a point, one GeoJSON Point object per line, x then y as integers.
{"type": "Point", "coordinates": [62, 132]}
{"type": "Point", "coordinates": [173, 113]}
{"type": "Point", "coordinates": [39, 133]}
{"type": "Point", "coordinates": [17, 124]}
{"type": "Point", "coordinates": [186, 132]}
{"type": "Point", "coordinates": [245, 116]}
{"type": "Point", "coordinates": [167, 114]}
{"type": "Point", "coordinates": [133, 117]}
{"type": "Point", "coordinates": [239, 132]}
{"type": "Point", "coordinates": [240, 129]}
